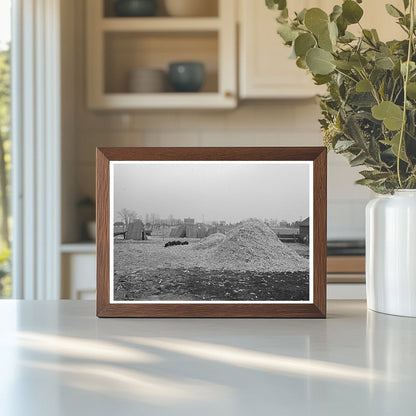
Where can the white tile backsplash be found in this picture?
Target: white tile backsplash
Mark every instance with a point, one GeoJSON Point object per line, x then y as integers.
{"type": "Point", "coordinates": [346, 219]}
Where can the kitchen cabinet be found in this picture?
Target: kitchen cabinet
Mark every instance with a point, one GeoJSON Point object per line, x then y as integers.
{"type": "Point", "coordinates": [264, 65]}
{"type": "Point", "coordinates": [265, 70]}
{"type": "Point", "coordinates": [78, 263]}
{"type": "Point", "coordinates": [118, 45]}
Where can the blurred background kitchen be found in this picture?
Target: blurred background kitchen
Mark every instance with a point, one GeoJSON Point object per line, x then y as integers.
{"type": "Point", "coordinates": [188, 73]}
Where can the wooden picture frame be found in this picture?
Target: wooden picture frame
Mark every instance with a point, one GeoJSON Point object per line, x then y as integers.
{"type": "Point", "coordinates": [313, 306]}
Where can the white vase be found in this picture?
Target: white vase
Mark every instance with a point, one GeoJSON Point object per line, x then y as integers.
{"type": "Point", "coordinates": [391, 253]}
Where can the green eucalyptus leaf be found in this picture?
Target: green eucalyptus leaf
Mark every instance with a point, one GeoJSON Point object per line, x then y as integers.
{"type": "Point", "coordinates": [358, 61]}
{"type": "Point", "coordinates": [287, 33]}
{"type": "Point", "coordinates": [374, 174]}
{"type": "Point", "coordinates": [394, 146]}
{"type": "Point", "coordinates": [301, 15]}
{"type": "Point", "coordinates": [388, 112]}
{"type": "Point", "coordinates": [393, 11]}
{"type": "Point", "coordinates": [276, 4]}
{"type": "Point", "coordinates": [301, 63]}
{"type": "Point", "coordinates": [347, 37]}
{"type": "Point", "coordinates": [281, 19]}
{"type": "Point", "coordinates": [320, 61]}
{"type": "Point", "coordinates": [303, 43]}
{"type": "Point", "coordinates": [336, 12]}
{"type": "Point", "coordinates": [361, 100]}
{"type": "Point", "coordinates": [316, 20]}
{"type": "Point", "coordinates": [333, 32]}
{"type": "Point", "coordinates": [374, 151]}
{"type": "Point", "coordinates": [363, 86]}
{"type": "Point", "coordinates": [368, 36]}
{"type": "Point", "coordinates": [365, 182]}
{"type": "Point", "coordinates": [342, 25]}
{"type": "Point", "coordinates": [344, 65]}
{"type": "Point", "coordinates": [412, 67]}
{"type": "Point", "coordinates": [354, 132]}
{"type": "Point", "coordinates": [358, 160]}
{"type": "Point", "coordinates": [396, 70]}
{"type": "Point", "coordinates": [405, 21]}
{"type": "Point", "coordinates": [325, 42]}
{"type": "Point", "coordinates": [411, 90]}
{"type": "Point", "coordinates": [343, 145]}
{"type": "Point", "coordinates": [321, 79]}
{"type": "Point", "coordinates": [382, 89]}
{"type": "Point", "coordinates": [384, 62]}
{"type": "Point", "coordinates": [351, 11]}
{"type": "Point", "coordinates": [375, 35]}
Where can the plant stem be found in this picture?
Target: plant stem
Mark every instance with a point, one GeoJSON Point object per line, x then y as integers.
{"type": "Point", "coordinates": [406, 80]}
{"type": "Point", "coordinates": [346, 75]}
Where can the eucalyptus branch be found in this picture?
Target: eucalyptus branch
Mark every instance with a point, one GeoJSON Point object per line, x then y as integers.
{"type": "Point", "coordinates": [406, 80]}
{"type": "Point", "coordinates": [346, 75]}
{"type": "Point", "coordinates": [373, 88]}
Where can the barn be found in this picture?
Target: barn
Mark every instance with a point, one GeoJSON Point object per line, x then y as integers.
{"type": "Point", "coordinates": [178, 232]}
{"type": "Point", "coordinates": [189, 231]}
{"type": "Point", "coordinates": [136, 231]}
{"type": "Point", "coordinates": [304, 231]}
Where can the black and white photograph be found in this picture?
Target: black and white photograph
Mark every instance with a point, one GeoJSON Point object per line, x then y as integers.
{"type": "Point", "coordinates": [211, 231]}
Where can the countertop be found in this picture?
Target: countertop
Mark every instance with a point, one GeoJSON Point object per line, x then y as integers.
{"type": "Point", "coordinates": [57, 358]}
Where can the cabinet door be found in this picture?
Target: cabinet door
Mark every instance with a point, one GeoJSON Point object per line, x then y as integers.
{"type": "Point", "coordinates": [78, 276]}
{"type": "Point", "coordinates": [265, 68]}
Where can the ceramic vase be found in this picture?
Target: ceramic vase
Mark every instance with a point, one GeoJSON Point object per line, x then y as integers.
{"type": "Point", "coordinates": [135, 8]}
{"type": "Point", "coordinates": [391, 253]}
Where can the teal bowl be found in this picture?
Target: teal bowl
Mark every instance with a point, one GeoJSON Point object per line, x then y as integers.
{"type": "Point", "coordinates": [187, 76]}
{"type": "Point", "coordinates": [135, 8]}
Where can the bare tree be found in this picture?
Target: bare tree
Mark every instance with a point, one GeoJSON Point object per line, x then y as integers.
{"type": "Point", "coordinates": [127, 216]}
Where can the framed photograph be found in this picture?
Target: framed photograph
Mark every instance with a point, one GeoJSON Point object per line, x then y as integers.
{"type": "Point", "coordinates": [211, 232]}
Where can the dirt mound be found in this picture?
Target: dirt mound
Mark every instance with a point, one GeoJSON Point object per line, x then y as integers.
{"type": "Point", "coordinates": [252, 245]}
{"type": "Point", "coordinates": [211, 241]}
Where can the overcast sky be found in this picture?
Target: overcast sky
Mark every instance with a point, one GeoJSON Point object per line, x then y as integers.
{"type": "Point", "coordinates": [213, 192]}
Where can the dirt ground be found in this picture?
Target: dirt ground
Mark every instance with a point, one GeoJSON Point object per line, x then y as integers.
{"type": "Point", "coordinates": [146, 270]}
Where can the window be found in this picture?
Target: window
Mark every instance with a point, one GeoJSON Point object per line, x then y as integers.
{"type": "Point", "coordinates": [5, 147]}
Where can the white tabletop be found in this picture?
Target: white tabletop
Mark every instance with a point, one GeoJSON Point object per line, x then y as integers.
{"type": "Point", "coordinates": [57, 358]}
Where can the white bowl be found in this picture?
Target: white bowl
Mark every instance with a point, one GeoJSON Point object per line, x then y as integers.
{"type": "Point", "coordinates": [147, 80]}
{"type": "Point", "coordinates": [191, 8]}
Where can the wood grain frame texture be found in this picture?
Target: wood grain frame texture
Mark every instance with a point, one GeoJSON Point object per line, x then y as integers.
{"type": "Point", "coordinates": [317, 309]}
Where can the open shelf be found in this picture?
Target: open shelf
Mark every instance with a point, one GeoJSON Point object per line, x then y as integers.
{"type": "Point", "coordinates": [211, 9]}
{"type": "Point", "coordinates": [87, 247]}
{"type": "Point", "coordinates": [127, 51]}
{"type": "Point", "coordinates": [119, 45]}
{"type": "Point", "coordinates": [160, 24]}
{"type": "Point", "coordinates": [167, 100]}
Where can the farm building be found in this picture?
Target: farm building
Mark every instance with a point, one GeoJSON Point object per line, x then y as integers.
{"type": "Point", "coordinates": [304, 230]}
{"type": "Point", "coordinates": [189, 231]}
{"type": "Point", "coordinates": [178, 232]}
{"type": "Point", "coordinates": [136, 231]}
{"type": "Point", "coordinates": [119, 229]}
